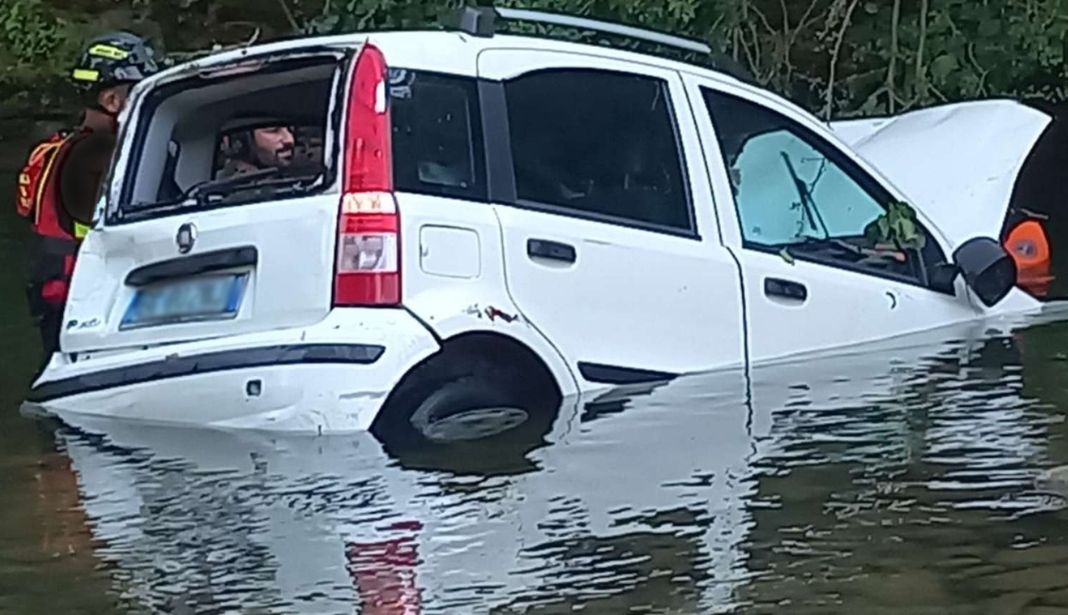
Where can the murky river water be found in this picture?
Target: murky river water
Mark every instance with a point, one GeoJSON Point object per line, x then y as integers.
{"type": "Point", "coordinates": [912, 479]}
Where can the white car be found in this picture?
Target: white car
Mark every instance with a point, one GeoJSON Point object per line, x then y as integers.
{"type": "Point", "coordinates": [496, 222]}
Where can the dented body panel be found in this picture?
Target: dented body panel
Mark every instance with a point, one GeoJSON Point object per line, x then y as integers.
{"type": "Point", "coordinates": [332, 376]}
{"type": "Point", "coordinates": [456, 282]}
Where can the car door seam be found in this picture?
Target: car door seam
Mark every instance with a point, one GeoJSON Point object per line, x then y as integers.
{"type": "Point", "coordinates": [519, 308]}
{"type": "Point", "coordinates": [719, 226]}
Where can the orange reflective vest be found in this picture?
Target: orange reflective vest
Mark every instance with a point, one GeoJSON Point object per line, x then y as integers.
{"type": "Point", "coordinates": [57, 235]}
{"type": "Point", "coordinates": [1029, 247]}
{"type": "Point", "coordinates": [38, 190]}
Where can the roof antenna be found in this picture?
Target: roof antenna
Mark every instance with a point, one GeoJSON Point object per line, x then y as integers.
{"type": "Point", "coordinates": [474, 20]}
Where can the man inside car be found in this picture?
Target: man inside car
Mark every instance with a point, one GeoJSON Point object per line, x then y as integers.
{"type": "Point", "coordinates": [258, 148]}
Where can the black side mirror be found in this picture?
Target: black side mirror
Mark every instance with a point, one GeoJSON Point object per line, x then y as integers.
{"type": "Point", "coordinates": [987, 267]}
{"type": "Point", "coordinates": [940, 277]}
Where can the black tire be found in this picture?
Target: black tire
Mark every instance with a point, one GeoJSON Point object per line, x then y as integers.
{"type": "Point", "coordinates": [454, 398]}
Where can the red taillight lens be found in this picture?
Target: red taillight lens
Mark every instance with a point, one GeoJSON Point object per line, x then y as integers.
{"type": "Point", "coordinates": [368, 247]}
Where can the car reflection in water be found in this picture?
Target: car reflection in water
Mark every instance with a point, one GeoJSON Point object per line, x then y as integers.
{"type": "Point", "coordinates": [648, 496]}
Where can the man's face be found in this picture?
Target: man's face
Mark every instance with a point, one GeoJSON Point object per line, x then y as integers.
{"type": "Point", "coordinates": [273, 146]}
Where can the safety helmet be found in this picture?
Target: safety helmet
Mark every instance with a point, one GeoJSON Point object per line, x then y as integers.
{"type": "Point", "coordinates": [114, 58]}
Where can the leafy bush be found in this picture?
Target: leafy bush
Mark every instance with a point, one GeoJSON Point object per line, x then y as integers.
{"type": "Point", "coordinates": [835, 57]}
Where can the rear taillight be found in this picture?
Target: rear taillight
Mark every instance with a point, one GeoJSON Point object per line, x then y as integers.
{"type": "Point", "coordinates": [368, 243]}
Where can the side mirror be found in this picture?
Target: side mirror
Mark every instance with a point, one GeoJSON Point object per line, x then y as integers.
{"type": "Point", "coordinates": [987, 267]}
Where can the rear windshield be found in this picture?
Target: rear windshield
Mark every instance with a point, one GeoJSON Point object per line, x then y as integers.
{"type": "Point", "coordinates": [210, 141]}
{"type": "Point", "coordinates": [204, 136]}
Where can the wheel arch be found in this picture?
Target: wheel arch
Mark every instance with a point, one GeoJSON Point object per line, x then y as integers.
{"type": "Point", "coordinates": [538, 370]}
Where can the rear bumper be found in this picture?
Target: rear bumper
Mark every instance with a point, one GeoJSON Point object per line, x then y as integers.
{"type": "Point", "coordinates": [333, 376]}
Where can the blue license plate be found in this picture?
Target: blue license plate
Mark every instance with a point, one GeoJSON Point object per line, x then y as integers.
{"type": "Point", "coordinates": [209, 297]}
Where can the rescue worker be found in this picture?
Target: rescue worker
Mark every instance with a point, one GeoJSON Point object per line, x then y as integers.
{"type": "Point", "coordinates": [1029, 246]}
{"type": "Point", "coordinates": [61, 181]}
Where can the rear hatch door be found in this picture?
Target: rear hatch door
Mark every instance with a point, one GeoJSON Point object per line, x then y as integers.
{"type": "Point", "coordinates": [174, 262]}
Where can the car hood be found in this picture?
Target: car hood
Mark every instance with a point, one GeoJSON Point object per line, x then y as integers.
{"type": "Point", "coordinates": [956, 163]}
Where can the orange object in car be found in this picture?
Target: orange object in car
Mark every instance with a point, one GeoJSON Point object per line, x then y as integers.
{"type": "Point", "coordinates": [1029, 247]}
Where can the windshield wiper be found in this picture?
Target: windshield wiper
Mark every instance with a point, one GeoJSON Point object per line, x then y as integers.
{"type": "Point", "coordinates": [809, 242]}
{"type": "Point", "coordinates": [807, 202]}
{"type": "Point", "coordinates": [816, 244]}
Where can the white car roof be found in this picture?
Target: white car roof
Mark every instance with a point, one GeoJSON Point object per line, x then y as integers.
{"type": "Point", "coordinates": [456, 52]}
{"type": "Point", "coordinates": [445, 51]}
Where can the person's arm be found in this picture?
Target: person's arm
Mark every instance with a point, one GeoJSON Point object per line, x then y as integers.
{"type": "Point", "coordinates": [82, 174]}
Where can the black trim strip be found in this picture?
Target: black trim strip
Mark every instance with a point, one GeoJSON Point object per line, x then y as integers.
{"type": "Point", "coordinates": [177, 367]}
{"type": "Point", "coordinates": [497, 142]}
{"type": "Point", "coordinates": [581, 214]}
{"type": "Point", "coordinates": [244, 256]}
{"type": "Point", "coordinates": [613, 374]}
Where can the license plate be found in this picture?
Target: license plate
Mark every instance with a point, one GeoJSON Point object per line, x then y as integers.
{"type": "Point", "coordinates": [215, 297]}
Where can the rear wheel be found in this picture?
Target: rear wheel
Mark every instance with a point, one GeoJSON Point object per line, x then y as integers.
{"type": "Point", "coordinates": [456, 398]}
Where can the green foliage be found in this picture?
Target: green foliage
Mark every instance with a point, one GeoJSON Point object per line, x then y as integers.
{"type": "Point", "coordinates": [355, 15]}
{"type": "Point", "coordinates": [33, 42]}
{"type": "Point", "coordinates": [897, 227]}
{"type": "Point", "coordinates": [27, 31]}
{"type": "Point", "coordinates": [834, 57]}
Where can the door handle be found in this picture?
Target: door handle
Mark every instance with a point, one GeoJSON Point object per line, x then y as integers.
{"type": "Point", "coordinates": [552, 250]}
{"type": "Point", "coordinates": [794, 291]}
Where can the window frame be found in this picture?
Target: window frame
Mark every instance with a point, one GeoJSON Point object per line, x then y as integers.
{"type": "Point", "coordinates": [847, 163]}
{"type": "Point", "coordinates": [132, 137]}
{"type": "Point", "coordinates": [503, 187]}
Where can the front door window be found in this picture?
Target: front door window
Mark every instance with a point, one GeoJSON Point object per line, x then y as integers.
{"type": "Point", "coordinates": [797, 195]}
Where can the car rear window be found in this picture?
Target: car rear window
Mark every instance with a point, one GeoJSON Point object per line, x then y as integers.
{"type": "Point", "coordinates": [200, 130]}
{"type": "Point", "coordinates": [437, 135]}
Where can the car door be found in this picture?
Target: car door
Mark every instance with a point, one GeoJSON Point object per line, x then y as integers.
{"type": "Point", "coordinates": [597, 175]}
{"type": "Point", "coordinates": [803, 215]}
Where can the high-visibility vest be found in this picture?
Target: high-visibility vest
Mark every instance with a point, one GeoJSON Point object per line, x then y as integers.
{"type": "Point", "coordinates": [1029, 247]}
{"type": "Point", "coordinates": [38, 188]}
{"type": "Point", "coordinates": [38, 198]}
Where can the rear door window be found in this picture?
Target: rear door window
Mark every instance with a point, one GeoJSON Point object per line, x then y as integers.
{"type": "Point", "coordinates": [599, 144]}
{"type": "Point", "coordinates": [437, 135]}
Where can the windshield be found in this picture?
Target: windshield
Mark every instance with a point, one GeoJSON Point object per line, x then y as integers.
{"type": "Point", "coordinates": [787, 192]}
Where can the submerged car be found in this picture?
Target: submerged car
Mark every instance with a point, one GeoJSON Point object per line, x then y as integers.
{"type": "Point", "coordinates": [481, 221]}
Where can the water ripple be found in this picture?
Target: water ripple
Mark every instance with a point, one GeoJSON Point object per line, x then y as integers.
{"type": "Point", "coordinates": [914, 477]}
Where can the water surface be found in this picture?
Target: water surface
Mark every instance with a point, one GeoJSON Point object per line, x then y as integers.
{"type": "Point", "coordinates": [908, 479]}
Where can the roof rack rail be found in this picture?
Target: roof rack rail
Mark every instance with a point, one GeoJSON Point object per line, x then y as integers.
{"type": "Point", "coordinates": [482, 21]}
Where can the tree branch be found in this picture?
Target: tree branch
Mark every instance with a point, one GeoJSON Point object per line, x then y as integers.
{"type": "Point", "coordinates": [894, 20]}
{"type": "Point", "coordinates": [921, 73]}
{"type": "Point", "coordinates": [289, 16]}
{"type": "Point", "coordinates": [803, 22]}
{"type": "Point", "coordinates": [829, 104]}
